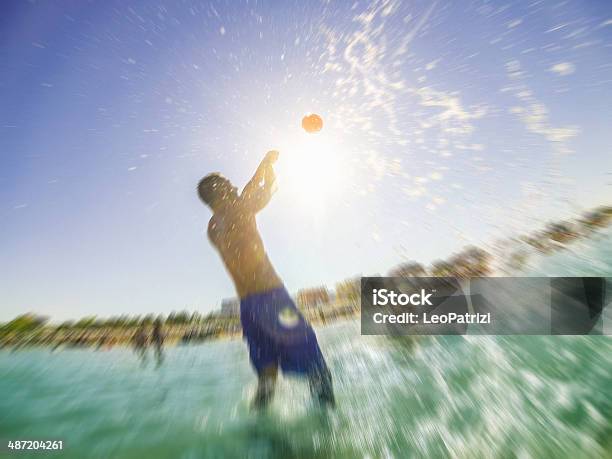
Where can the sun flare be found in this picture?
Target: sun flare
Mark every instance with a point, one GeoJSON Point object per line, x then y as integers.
{"type": "Point", "coordinates": [311, 169]}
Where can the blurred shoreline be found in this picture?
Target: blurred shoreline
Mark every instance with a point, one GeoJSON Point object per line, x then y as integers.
{"type": "Point", "coordinates": [506, 258]}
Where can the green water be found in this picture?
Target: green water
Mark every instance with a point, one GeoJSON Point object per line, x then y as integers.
{"type": "Point", "coordinates": [425, 397]}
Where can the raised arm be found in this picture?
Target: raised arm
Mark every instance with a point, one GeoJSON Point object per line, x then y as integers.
{"type": "Point", "coordinates": [257, 193]}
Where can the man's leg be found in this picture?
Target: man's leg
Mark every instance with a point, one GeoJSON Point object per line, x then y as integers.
{"type": "Point", "coordinates": [321, 386]}
{"type": "Point", "coordinates": [266, 383]}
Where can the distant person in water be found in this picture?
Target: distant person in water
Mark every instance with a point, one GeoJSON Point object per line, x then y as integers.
{"type": "Point", "coordinates": [277, 334]}
{"type": "Point", "coordinates": [140, 342]}
{"type": "Point", "coordinates": [140, 337]}
{"type": "Point", "coordinates": [157, 338]}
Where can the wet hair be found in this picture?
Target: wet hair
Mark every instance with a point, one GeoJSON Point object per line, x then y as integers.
{"type": "Point", "coordinates": [208, 188]}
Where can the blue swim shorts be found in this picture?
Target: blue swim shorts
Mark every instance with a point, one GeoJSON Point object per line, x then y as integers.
{"type": "Point", "coordinates": [278, 335]}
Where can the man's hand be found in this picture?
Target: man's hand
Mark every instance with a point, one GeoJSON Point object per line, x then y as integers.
{"type": "Point", "coordinates": [271, 157]}
{"type": "Point", "coordinates": [259, 190]}
{"type": "Point", "coordinates": [264, 170]}
{"type": "Point", "coordinates": [268, 172]}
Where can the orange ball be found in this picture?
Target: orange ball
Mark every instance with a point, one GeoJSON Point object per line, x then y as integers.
{"type": "Point", "coordinates": [312, 123]}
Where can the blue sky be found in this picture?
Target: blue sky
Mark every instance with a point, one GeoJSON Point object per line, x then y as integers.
{"type": "Point", "coordinates": [446, 124]}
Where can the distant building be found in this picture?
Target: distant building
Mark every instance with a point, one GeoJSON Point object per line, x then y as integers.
{"type": "Point", "coordinates": [409, 269]}
{"type": "Point", "coordinates": [471, 262]}
{"type": "Point", "coordinates": [598, 218]}
{"type": "Point", "coordinates": [349, 290]}
{"type": "Point", "coordinates": [312, 298]}
{"type": "Point", "coordinates": [562, 231]}
{"type": "Point", "coordinates": [443, 268]}
{"type": "Point", "coordinates": [230, 307]}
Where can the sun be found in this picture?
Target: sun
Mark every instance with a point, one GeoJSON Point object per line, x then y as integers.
{"type": "Point", "coordinates": [312, 170]}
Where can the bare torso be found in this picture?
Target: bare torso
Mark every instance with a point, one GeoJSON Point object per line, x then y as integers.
{"type": "Point", "coordinates": [234, 233]}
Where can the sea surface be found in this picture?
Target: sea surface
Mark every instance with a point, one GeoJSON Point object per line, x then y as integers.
{"type": "Point", "coordinates": [465, 397]}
